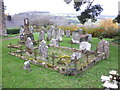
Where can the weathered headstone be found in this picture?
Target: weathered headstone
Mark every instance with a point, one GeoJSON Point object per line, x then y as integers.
{"type": "Point", "coordinates": [41, 35]}
{"type": "Point", "coordinates": [49, 34]}
{"type": "Point", "coordinates": [29, 45]}
{"type": "Point", "coordinates": [43, 29]}
{"type": "Point", "coordinates": [27, 66]}
{"type": "Point", "coordinates": [31, 29]}
{"type": "Point", "coordinates": [62, 32]}
{"type": "Point", "coordinates": [85, 46]}
{"type": "Point", "coordinates": [103, 47]}
{"type": "Point", "coordinates": [80, 31]}
{"type": "Point", "coordinates": [76, 37]}
{"type": "Point", "coordinates": [26, 25]}
{"type": "Point", "coordinates": [67, 33]}
{"type": "Point", "coordinates": [43, 50]}
{"type": "Point", "coordinates": [54, 42]}
{"type": "Point", "coordinates": [59, 35]}
{"type": "Point", "coordinates": [22, 37]}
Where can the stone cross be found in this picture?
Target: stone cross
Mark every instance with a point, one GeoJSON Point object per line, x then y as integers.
{"type": "Point", "coordinates": [103, 47]}
{"type": "Point", "coordinates": [43, 50]}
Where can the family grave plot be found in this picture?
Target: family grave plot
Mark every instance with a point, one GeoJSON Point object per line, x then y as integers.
{"type": "Point", "coordinates": [65, 60]}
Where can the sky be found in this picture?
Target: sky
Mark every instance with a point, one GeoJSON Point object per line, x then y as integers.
{"type": "Point", "coordinates": [55, 6]}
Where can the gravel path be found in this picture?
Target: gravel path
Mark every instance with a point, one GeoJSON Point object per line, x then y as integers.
{"type": "Point", "coordinates": [9, 38]}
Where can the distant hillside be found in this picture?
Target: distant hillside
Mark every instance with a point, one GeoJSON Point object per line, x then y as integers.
{"type": "Point", "coordinates": [56, 18]}
{"type": "Point", "coordinates": [17, 19]}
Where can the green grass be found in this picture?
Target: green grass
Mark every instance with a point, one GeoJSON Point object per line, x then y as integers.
{"type": "Point", "coordinates": [13, 75]}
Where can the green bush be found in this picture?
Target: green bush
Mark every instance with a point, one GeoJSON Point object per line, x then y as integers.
{"type": "Point", "coordinates": [13, 30]}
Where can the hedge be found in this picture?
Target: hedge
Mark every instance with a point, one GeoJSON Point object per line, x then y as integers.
{"type": "Point", "coordinates": [13, 30]}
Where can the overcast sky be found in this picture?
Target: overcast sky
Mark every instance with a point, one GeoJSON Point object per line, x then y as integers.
{"type": "Point", "coordinates": [56, 6]}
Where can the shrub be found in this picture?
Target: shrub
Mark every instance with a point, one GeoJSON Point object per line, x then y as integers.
{"type": "Point", "coordinates": [13, 31]}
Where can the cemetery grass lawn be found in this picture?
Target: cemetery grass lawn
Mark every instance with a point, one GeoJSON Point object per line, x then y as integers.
{"type": "Point", "coordinates": [13, 75]}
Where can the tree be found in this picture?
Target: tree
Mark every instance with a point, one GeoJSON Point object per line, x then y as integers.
{"type": "Point", "coordinates": [108, 23]}
{"type": "Point", "coordinates": [91, 11]}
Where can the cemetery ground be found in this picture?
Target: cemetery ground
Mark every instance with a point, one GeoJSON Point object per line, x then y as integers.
{"type": "Point", "coordinates": [13, 75]}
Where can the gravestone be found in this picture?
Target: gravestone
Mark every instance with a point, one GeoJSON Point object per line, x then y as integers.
{"type": "Point", "coordinates": [62, 32]}
{"type": "Point", "coordinates": [27, 66]}
{"type": "Point", "coordinates": [31, 29]}
{"type": "Point", "coordinates": [80, 31]}
{"type": "Point", "coordinates": [41, 35]}
{"type": "Point", "coordinates": [76, 37]}
{"type": "Point", "coordinates": [22, 32]}
{"type": "Point", "coordinates": [43, 29]}
{"type": "Point", "coordinates": [67, 33]}
{"type": "Point", "coordinates": [85, 46]}
{"type": "Point", "coordinates": [29, 45]}
{"type": "Point", "coordinates": [103, 47]}
{"type": "Point", "coordinates": [53, 31]}
{"type": "Point", "coordinates": [43, 50]}
{"type": "Point", "coordinates": [54, 42]}
{"type": "Point", "coordinates": [49, 34]}
{"type": "Point", "coordinates": [89, 37]}
{"type": "Point", "coordinates": [59, 35]}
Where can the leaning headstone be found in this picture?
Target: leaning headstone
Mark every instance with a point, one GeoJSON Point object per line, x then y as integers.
{"type": "Point", "coordinates": [67, 33]}
{"type": "Point", "coordinates": [103, 47]}
{"type": "Point", "coordinates": [76, 37]}
{"type": "Point", "coordinates": [85, 46]}
{"type": "Point", "coordinates": [54, 42]}
{"type": "Point", "coordinates": [43, 50]}
{"type": "Point", "coordinates": [41, 35]}
{"type": "Point", "coordinates": [29, 45]}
